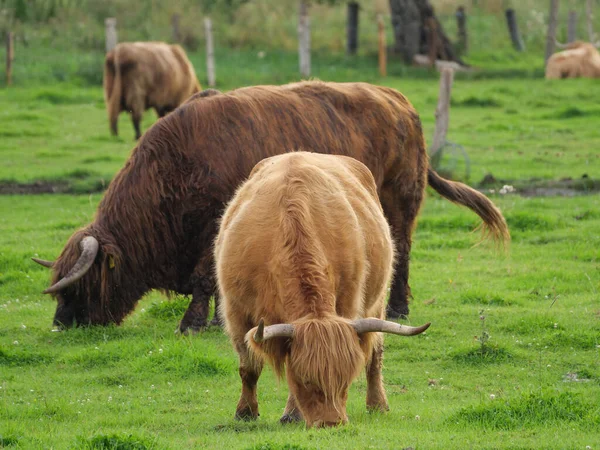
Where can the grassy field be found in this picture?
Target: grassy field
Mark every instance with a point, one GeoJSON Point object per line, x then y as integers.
{"type": "Point", "coordinates": [515, 129]}
{"type": "Point", "coordinates": [512, 359]}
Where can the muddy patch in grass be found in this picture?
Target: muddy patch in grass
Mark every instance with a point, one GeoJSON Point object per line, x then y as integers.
{"type": "Point", "coordinates": [37, 187]}
{"type": "Point", "coordinates": [565, 187]}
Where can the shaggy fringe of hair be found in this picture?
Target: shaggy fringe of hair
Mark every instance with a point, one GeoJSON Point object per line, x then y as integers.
{"type": "Point", "coordinates": [325, 352]}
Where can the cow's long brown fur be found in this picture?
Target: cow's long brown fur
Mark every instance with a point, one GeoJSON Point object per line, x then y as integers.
{"type": "Point", "coordinates": [579, 60]}
{"type": "Point", "coordinates": [159, 216]}
{"type": "Point", "coordinates": [142, 75]}
{"type": "Point", "coordinates": [304, 241]}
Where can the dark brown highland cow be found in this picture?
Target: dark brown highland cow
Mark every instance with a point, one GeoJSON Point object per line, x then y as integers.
{"type": "Point", "coordinates": [155, 227]}
{"type": "Point", "coordinates": [143, 75]}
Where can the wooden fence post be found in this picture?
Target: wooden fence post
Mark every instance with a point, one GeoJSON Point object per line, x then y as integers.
{"type": "Point", "coordinates": [552, 23]}
{"type": "Point", "coordinates": [513, 29]}
{"type": "Point", "coordinates": [176, 35]}
{"type": "Point", "coordinates": [210, 52]}
{"type": "Point", "coordinates": [304, 39]}
{"type": "Point", "coordinates": [572, 27]}
{"type": "Point", "coordinates": [382, 46]}
{"type": "Point", "coordinates": [590, 20]}
{"type": "Point", "coordinates": [461, 22]}
{"type": "Point", "coordinates": [110, 27]}
{"type": "Point", "coordinates": [352, 28]}
{"type": "Point", "coordinates": [442, 112]}
{"type": "Point", "coordinates": [10, 56]}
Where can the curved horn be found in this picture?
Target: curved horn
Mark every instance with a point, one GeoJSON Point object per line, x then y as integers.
{"type": "Point", "coordinates": [265, 333]}
{"type": "Point", "coordinates": [559, 45]}
{"type": "Point", "coordinates": [371, 324]}
{"type": "Point", "coordinates": [89, 250]}
{"type": "Point", "coordinates": [43, 262]}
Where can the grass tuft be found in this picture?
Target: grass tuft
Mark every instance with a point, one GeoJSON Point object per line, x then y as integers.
{"type": "Point", "coordinates": [23, 358]}
{"type": "Point", "coordinates": [524, 221]}
{"type": "Point", "coordinates": [115, 442]}
{"type": "Point", "coordinates": [483, 298]}
{"type": "Point", "coordinates": [274, 446]}
{"type": "Point", "coordinates": [572, 112]}
{"type": "Point", "coordinates": [477, 102]}
{"type": "Point", "coordinates": [65, 97]}
{"type": "Point", "coordinates": [8, 440]}
{"type": "Point", "coordinates": [527, 411]}
{"type": "Point", "coordinates": [488, 354]}
{"type": "Point", "coordinates": [169, 309]}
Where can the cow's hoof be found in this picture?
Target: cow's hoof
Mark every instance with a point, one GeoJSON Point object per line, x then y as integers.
{"type": "Point", "coordinates": [215, 322]}
{"type": "Point", "coordinates": [246, 415]}
{"type": "Point", "coordinates": [396, 313]}
{"type": "Point", "coordinates": [187, 330]}
{"type": "Point", "coordinates": [292, 417]}
{"type": "Point", "coordinates": [378, 408]}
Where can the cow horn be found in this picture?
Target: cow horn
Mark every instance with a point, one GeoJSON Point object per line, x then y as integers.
{"type": "Point", "coordinates": [43, 262]}
{"type": "Point", "coordinates": [559, 45]}
{"type": "Point", "coordinates": [371, 325]}
{"type": "Point", "coordinates": [265, 333]}
{"type": "Point", "coordinates": [89, 250]}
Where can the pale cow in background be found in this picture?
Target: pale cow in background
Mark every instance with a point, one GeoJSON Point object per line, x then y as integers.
{"type": "Point", "coordinates": [579, 60]}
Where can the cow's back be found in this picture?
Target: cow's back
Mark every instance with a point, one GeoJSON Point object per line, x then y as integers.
{"type": "Point", "coordinates": [159, 71]}
{"type": "Point", "coordinates": [230, 133]}
{"type": "Point", "coordinates": [305, 228]}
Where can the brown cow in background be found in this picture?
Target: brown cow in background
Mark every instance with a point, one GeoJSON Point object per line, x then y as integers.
{"type": "Point", "coordinates": [304, 247]}
{"type": "Point", "coordinates": [143, 75]}
{"type": "Point", "coordinates": [579, 60]}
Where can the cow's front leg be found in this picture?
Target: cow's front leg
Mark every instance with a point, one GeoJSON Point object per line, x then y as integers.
{"type": "Point", "coordinates": [194, 319]}
{"type": "Point", "coordinates": [292, 413]}
{"type": "Point", "coordinates": [376, 398]}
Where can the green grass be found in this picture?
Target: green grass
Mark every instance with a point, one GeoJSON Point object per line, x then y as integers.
{"type": "Point", "coordinates": [141, 386]}
{"type": "Point", "coordinates": [517, 131]}
{"type": "Point", "coordinates": [534, 383]}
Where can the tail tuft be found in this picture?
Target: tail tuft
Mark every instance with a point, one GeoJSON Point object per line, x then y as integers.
{"type": "Point", "coordinates": [494, 224]}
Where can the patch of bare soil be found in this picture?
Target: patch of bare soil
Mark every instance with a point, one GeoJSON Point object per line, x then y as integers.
{"type": "Point", "coordinates": [566, 187]}
{"type": "Point", "coordinates": [37, 187]}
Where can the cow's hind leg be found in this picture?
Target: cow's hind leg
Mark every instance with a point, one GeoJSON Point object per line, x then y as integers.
{"type": "Point", "coordinates": [194, 319]}
{"type": "Point", "coordinates": [292, 413]}
{"type": "Point", "coordinates": [376, 398]}
{"type": "Point", "coordinates": [401, 212]}
{"type": "Point", "coordinates": [136, 117]}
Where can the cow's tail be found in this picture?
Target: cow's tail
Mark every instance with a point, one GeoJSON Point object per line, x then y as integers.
{"type": "Point", "coordinates": [112, 88]}
{"type": "Point", "coordinates": [493, 220]}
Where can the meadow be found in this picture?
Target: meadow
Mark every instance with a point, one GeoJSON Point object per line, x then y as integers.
{"type": "Point", "coordinates": [512, 359]}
